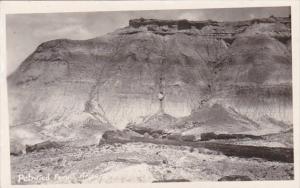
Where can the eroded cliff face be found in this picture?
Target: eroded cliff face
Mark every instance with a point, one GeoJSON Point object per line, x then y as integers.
{"type": "Point", "coordinates": [113, 80]}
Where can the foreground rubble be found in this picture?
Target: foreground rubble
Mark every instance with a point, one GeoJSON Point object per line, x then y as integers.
{"type": "Point", "coordinates": [141, 162]}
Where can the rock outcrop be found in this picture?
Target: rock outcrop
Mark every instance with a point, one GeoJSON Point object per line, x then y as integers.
{"type": "Point", "coordinates": [73, 89]}
{"type": "Point", "coordinates": [178, 24]}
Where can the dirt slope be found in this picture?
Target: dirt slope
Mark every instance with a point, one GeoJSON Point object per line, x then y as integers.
{"type": "Point", "coordinates": [110, 81]}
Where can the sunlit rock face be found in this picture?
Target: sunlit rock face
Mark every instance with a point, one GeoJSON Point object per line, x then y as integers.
{"type": "Point", "coordinates": [115, 79]}
{"type": "Point", "coordinates": [255, 74]}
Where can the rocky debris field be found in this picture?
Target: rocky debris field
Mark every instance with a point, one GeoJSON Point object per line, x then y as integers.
{"type": "Point", "coordinates": [141, 162]}
{"type": "Point", "coordinates": [128, 156]}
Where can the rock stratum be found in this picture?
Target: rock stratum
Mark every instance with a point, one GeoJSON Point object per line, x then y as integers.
{"type": "Point", "coordinates": [227, 77]}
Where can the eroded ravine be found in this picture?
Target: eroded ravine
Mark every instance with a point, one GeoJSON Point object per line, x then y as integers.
{"type": "Point", "coordinates": [115, 79]}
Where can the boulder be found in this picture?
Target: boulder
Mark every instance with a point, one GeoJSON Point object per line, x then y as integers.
{"type": "Point", "coordinates": [147, 135]}
{"type": "Point", "coordinates": [174, 136]}
{"type": "Point", "coordinates": [188, 138]}
{"type": "Point", "coordinates": [115, 136]}
{"type": "Point", "coordinates": [41, 146]}
{"type": "Point", "coordinates": [16, 148]}
{"type": "Point", "coordinates": [208, 136]}
{"type": "Point", "coordinates": [183, 24]}
{"type": "Point", "coordinates": [156, 135]}
{"type": "Point", "coordinates": [235, 178]}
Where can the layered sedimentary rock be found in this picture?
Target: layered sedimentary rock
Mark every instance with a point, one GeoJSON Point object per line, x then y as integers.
{"type": "Point", "coordinates": [70, 88]}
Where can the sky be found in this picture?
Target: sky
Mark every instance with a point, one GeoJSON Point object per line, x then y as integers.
{"type": "Point", "coordinates": [24, 32]}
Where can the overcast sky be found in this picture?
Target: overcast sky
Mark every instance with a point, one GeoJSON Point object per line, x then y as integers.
{"type": "Point", "coordinates": [26, 31]}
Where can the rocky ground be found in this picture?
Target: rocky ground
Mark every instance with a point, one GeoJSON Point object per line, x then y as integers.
{"type": "Point", "coordinates": [140, 162]}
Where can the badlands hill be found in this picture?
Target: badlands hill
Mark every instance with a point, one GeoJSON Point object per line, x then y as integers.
{"type": "Point", "coordinates": [217, 76]}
